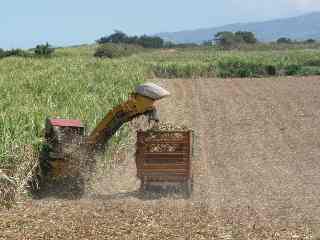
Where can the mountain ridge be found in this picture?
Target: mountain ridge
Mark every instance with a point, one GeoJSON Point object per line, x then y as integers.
{"type": "Point", "coordinates": [300, 27]}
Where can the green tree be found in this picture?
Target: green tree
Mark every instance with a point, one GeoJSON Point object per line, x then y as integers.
{"type": "Point", "coordinates": [150, 42]}
{"type": "Point", "coordinates": [207, 43]}
{"type": "Point", "coordinates": [2, 53]}
{"type": "Point", "coordinates": [284, 40]}
{"type": "Point", "coordinates": [226, 40]}
{"type": "Point", "coordinates": [44, 50]}
{"type": "Point", "coordinates": [144, 40]}
{"type": "Point", "coordinates": [247, 37]}
{"type": "Point", "coordinates": [16, 53]}
{"type": "Point", "coordinates": [116, 37]}
{"type": "Point", "coordinates": [310, 41]}
{"type": "Point", "coordinates": [169, 44]}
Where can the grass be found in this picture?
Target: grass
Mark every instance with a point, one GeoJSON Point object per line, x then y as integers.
{"type": "Point", "coordinates": [212, 63]}
{"type": "Point", "coordinates": [68, 87]}
{"type": "Point", "coordinates": [74, 84]}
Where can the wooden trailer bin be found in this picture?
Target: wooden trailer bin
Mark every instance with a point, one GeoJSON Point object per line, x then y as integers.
{"type": "Point", "coordinates": [164, 157]}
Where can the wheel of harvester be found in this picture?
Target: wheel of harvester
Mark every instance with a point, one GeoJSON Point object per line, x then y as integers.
{"type": "Point", "coordinates": [192, 184]}
{"type": "Point", "coordinates": [188, 187]}
{"type": "Point", "coordinates": [142, 185]}
{"type": "Point", "coordinates": [146, 186]}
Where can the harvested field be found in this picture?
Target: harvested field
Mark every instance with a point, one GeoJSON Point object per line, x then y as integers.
{"type": "Point", "coordinates": [256, 172]}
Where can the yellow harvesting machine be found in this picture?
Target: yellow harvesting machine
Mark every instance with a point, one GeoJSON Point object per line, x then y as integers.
{"type": "Point", "coordinates": [60, 134]}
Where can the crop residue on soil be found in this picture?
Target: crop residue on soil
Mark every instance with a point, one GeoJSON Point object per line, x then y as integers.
{"type": "Point", "coordinates": [256, 172]}
{"type": "Point", "coordinates": [123, 219]}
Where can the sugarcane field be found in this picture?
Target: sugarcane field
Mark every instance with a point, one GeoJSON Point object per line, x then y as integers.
{"type": "Point", "coordinates": [174, 135]}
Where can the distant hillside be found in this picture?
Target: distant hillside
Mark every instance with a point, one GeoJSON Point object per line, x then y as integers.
{"type": "Point", "coordinates": [299, 28]}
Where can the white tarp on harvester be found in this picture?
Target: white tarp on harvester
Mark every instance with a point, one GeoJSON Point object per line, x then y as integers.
{"type": "Point", "coordinates": [152, 91]}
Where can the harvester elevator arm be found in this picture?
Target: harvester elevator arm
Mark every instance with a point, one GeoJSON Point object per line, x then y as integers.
{"type": "Point", "coordinates": [140, 103]}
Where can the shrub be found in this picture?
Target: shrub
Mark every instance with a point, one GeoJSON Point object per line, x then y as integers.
{"type": "Point", "coordinates": [242, 68]}
{"type": "Point", "coordinates": [186, 45]}
{"type": "Point", "coordinates": [309, 70]}
{"type": "Point", "coordinates": [271, 70]}
{"type": "Point", "coordinates": [183, 70]}
{"type": "Point", "coordinates": [312, 62]}
{"type": "Point", "coordinates": [44, 50]}
{"type": "Point", "coordinates": [113, 50]}
{"type": "Point", "coordinates": [2, 53]}
{"type": "Point", "coordinates": [206, 43]}
{"type": "Point", "coordinates": [16, 53]}
{"type": "Point", "coordinates": [293, 69]}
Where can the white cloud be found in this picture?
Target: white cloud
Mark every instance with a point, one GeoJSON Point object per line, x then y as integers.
{"type": "Point", "coordinates": [306, 4]}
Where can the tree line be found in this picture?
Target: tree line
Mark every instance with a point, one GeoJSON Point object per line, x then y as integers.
{"type": "Point", "coordinates": [41, 50]}
{"type": "Point", "coordinates": [225, 39]}
{"type": "Point", "coordinates": [144, 40]}
{"type": "Point", "coordinates": [120, 44]}
{"type": "Point", "coordinates": [230, 40]}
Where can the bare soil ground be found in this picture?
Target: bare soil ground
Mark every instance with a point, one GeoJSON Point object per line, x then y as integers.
{"type": "Point", "coordinates": [256, 171]}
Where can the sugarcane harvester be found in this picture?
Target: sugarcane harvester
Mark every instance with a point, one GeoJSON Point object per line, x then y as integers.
{"type": "Point", "coordinates": [66, 138]}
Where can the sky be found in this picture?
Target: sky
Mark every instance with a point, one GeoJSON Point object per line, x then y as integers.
{"type": "Point", "coordinates": [24, 24]}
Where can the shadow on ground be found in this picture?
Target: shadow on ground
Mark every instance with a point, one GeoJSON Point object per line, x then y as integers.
{"type": "Point", "coordinates": [67, 188]}
{"type": "Point", "coordinates": [151, 193]}
{"type": "Point", "coordinates": [73, 189]}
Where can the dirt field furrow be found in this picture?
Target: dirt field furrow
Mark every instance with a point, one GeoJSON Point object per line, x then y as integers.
{"type": "Point", "coordinates": [256, 171]}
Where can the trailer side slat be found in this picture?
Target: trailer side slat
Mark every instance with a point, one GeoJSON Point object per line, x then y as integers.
{"type": "Point", "coordinates": [161, 157]}
{"type": "Point", "coordinates": [165, 168]}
